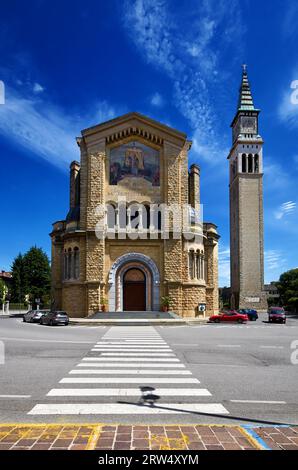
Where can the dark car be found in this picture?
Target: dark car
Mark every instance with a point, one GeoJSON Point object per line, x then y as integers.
{"type": "Point", "coordinates": [34, 316]}
{"type": "Point", "coordinates": [229, 316]}
{"type": "Point", "coordinates": [252, 314]}
{"type": "Point", "coordinates": [55, 318]}
{"type": "Point", "coordinates": [276, 315]}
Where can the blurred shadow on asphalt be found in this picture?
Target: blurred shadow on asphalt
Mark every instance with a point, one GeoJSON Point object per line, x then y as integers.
{"type": "Point", "coordinates": [213, 415]}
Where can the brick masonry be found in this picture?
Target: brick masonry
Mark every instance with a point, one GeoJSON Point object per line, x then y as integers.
{"type": "Point", "coordinates": [128, 437]}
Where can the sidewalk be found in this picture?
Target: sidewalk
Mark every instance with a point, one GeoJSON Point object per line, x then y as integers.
{"type": "Point", "coordinates": [145, 437]}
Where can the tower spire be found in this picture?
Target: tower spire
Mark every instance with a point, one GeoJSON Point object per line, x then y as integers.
{"type": "Point", "coordinates": [245, 102]}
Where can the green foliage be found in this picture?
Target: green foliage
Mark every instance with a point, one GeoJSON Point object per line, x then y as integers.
{"type": "Point", "coordinates": [31, 276]}
{"type": "Point", "coordinates": [18, 287]}
{"type": "Point", "coordinates": [288, 288]}
{"type": "Point", "coordinates": [166, 301]}
{"type": "Point", "coordinates": [271, 301]}
{"type": "Point", "coordinates": [3, 291]}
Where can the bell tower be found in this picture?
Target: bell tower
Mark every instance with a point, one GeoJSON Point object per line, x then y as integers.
{"type": "Point", "coordinates": [246, 204]}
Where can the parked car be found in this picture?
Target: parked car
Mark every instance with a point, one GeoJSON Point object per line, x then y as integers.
{"type": "Point", "coordinates": [34, 316]}
{"type": "Point", "coordinates": [276, 315]}
{"type": "Point", "coordinates": [252, 314]}
{"type": "Point", "coordinates": [55, 318]}
{"type": "Point", "coordinates": [229, 316]}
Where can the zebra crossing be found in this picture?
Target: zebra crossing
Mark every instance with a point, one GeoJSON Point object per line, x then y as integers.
{"type": "Point", "coordinates": [134, 364]}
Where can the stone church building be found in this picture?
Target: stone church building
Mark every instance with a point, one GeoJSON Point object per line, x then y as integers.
{"type": "Point", "coordinates": [141, 163]}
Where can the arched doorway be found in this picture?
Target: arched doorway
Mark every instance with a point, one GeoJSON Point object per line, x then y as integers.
{"type": "Point", "coordinates": [117, 272]}
{"type": "Point", "coordinates": [134, 290]}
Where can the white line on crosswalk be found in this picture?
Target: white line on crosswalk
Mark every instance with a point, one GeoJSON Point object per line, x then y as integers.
{"type": "Point", "coordinates": [263, 402]}
{"type": "Point", "coordinates": [127, 359]}
{"type": "Point", "coordinates": [130, 343]}
{"type": "Point", "coordinates": [131, 371]}
{"type": "Point", "coordinates": [136, 358]}
{"type": "Point", "coordinates": [130, 364]}
{"type": "Point", "coordinates": [139, 349]}
{"type": "Point", "coordinates": [119, 408]}
{"type": "Point", "coordinates": [126, 392]}
{"type": "Point", "coordinates": [133, 343]}
{"type": "Point", "coordinates": [131, 380]}
{"type": "Point", "coordinates": [136, 354]}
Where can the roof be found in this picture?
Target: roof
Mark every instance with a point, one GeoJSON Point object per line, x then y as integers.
{"type": "Point", "coordinates": [245, 101]}
{"type": "Point", "coordinates": [5, 274]}
{"type": "Point", "coordinates": [130, 116]}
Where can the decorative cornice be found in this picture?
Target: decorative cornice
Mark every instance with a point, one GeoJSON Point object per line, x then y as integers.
{"type": "Point", "coordinates": [134, 131]}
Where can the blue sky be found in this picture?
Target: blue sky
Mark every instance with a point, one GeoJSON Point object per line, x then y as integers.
{"type": "Point", "coordinates": [67, 65]}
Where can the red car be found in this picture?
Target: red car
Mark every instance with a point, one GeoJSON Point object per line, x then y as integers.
{"type": "Point", "coordinates": [230, 316]}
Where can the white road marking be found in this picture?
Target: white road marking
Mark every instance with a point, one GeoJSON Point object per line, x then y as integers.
{"type": "Point", "coordinates": [272, 347]}
{"type": "Point", "coordinates": [138, 358]}
{"type": "Point", "coordinates": [137, 354]}
{"type": "Point", "coordinates": [130, 371]}
{"type": "Point", "coordinates": [119, 408]}
{"type": "Point", "coordinates": [15, 396]}
{"type": "Point", "coordinates": [44, 340]}
{"type": "Point", "coordinates": [130, 364]}
{"type": "Point", "coordinates": [140, 349]}
{"type": "Point", "coordinates": [127, 359]}
{"type": "Point", "coordinates": [129, 343]}
{"type": "Point", "coordinates": [124, 380]}
{"type": "Point", "coordinates": [228, 345]}
{"type": "Point", "coordinates": [126, 392]}
{"type": "Point", "coordinates": [268, 402]}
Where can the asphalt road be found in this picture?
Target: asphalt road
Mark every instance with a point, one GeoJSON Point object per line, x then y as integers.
{"type": "Point", "coordinates": [199, 374]}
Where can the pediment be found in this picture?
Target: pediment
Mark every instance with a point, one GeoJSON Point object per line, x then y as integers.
{"type": "Point", "coordinates": [134, 125]}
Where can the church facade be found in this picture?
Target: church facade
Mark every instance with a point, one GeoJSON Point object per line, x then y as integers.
{"type": "Point", "coordinates": [116, 250]}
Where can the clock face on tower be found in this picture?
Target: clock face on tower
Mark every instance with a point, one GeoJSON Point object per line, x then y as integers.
{"type": "Point", "coordinates": [248, 125]}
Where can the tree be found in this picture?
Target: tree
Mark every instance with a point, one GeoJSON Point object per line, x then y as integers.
{"type": "Point", "coordinates": [37, 275]}
{"type": "Point", "coordinates": [3, 291]}
{"type": "Point", "coordinates": [288, 288]}
{"type": "Point", "coordinates": [18, 288]}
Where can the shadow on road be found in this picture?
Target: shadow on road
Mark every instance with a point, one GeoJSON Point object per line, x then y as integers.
{"type": "Point", "coordinates": [148, 399]}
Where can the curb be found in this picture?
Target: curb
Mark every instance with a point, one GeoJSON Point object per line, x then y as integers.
{"type": "Point", "coordinates": [254, 438]}
{"type": "Point", "coordinates": [130, 322]}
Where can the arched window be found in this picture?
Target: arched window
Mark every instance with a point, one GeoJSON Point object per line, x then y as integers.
{"type": "Point", "coordinates": [111, 216]}
{"type": "Point", "coordinates": [243, 163]}
{"type": "Point", "coordinates": [69, 264]}
{"type": "Point", "coordinates": [198, 267]}
{"type": "Point", "coordinates": [250, 163]}
{"type": "Point", "coordinates": [134, 215]}
{"type": "Point", "coordinates": [191, 264]}
{"type": "Point", "coordinates": [146, 216]}
{"type": "Point", "coordinates": [65, 258]}
{"type": "Point", "coordinates": [256, 166]}
{"type": "Point", "coordinates": [76, 262]}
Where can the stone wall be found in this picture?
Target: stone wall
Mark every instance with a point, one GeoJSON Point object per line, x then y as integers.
{"type": "Point", "coordinates": [83, 297]}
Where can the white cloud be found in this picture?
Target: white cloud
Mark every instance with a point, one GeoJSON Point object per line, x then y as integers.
{"type": "Point", "coordinates": [275, 264]}
{"type": "Point", "coordinates": [288, 110]}
{"type": "Point", "coordinates": [45, 130]}
{"type": "Point", "coordinates": [289, 26]}
{"type": "Point", "coordinates": [37, 88]}
{"type": "Point", "coordinates": [181, 45]}
{"type": "Point", "coordinates": [224, 266]}
{"type": "Point", "coordinates": [275, 176]}
{"type": "Point", "coordinates": [285, 209]}
{"type": "Point", "coordinates": [157, 100]}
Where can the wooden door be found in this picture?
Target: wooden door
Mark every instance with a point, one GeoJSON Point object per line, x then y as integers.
{"type": "Point", "coordinates": [134, 290]}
